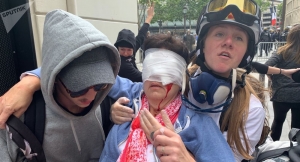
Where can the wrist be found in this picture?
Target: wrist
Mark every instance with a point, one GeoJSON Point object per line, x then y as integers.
{"type": "Point", "coordinates": [29, 83]}
{"type": "Point", "coordinates": [148, 20]}
{"type": "Point", "coordinates": [280, 71]}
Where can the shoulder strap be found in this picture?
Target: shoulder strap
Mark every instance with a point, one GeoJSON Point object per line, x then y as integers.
{"type": "Point", "coordinates": [294, 153]}
{"type": "Point", "coordinates": [25, 140]}
{"type": "Point", "coordinates": [272, 154]}
{"type": "Point", "coordinates": [29, 137]}
{"type": "Point", "coordinates": [35, 116]}
{"type": "Point", "coordinates": [294, 135]}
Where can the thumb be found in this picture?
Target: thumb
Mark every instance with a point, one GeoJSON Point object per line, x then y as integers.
{"type": "Point", "coordinates": [123, 100]}
{"type": "Point", "coordinates": [167, 121]}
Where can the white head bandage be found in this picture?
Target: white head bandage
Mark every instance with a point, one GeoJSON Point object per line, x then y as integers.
{"type": "Point", "coordinates": [163, 66]}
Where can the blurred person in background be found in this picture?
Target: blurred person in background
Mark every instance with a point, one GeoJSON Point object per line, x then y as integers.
{"type": "Point", "coordinates": [128, 44]}
{"type": "Point", "coordinates": [285, 92]}
{"type": "Point", "coordinates": [189, 40]}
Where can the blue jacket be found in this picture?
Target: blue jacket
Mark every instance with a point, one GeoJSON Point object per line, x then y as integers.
{"type": "Point", "coordinates": [199, 132]}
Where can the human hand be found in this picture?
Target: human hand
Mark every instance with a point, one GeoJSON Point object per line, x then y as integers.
{"type": "Point", "coordinates": [120, 113]}
{"type": "Point", "coordinates": [17, 99]}
{"type": "Point", "coordinates": [168, 144]}
{"type": "Point", "coordinates": [149, 124]}
{"type": "Point", "coordinates": [150, 13]}
{"type": "Point", "coordinates": [289, 72]}
{"type": "Point", "coordinates": [170, 147]}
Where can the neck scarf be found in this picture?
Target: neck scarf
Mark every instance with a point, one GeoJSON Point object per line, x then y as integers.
{"type": "Point", "coordinates": [137, 142]}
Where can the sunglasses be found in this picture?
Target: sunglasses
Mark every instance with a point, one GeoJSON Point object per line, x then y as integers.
{"type": "Point", "coordinates": [96, 88]}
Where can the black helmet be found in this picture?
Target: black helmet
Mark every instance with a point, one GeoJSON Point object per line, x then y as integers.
{"type": "Point", "coordinates": [246, 16]}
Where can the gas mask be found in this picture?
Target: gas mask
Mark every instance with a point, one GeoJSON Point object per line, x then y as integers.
{"type": "Point", "coordinates": [209, 94]}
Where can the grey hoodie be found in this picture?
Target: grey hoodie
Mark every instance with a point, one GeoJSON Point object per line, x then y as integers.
{"type": "Point", "coordinates": [67, 137]}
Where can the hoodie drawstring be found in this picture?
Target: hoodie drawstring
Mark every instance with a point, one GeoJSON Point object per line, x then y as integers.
{"type": "Point", "coordinates": [75, 136]}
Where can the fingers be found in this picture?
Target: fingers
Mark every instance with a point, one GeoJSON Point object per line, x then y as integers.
{"type": "Point", "coordinates": [153, 4]}
{"type": "Point", "coordinates": [17, 99]}
{"type": "Point", "coordinates": [120, 119]}
{"type": "Point", "coordinates": [123, 100]}
{"type": "Point", "coordinates": [167, 120]}
{"type": "Point", "coordinates": [171, 148]}
{"type": "Point", "coordinates": [3, 116]}
{"type": "Point", "coordinates": [120, 113]}
{"type": "Point", "coordinates": [5, 112]}
{"type": "Point", "coordinates": [147, 116]}
{"type": "Point", "coordinates": [166, 137]}
{"type": "Point", "coordinates": [163, 151]}
{"type": "Point", "coordinates": [149, 124]}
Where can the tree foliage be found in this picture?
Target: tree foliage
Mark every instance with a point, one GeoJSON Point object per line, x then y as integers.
{"type": "Point", "coordinates": [264, 5]}
{"type": "Point", "coordinates": [172, 10]}
{"type": "Point", "coordinates": [279, 9]}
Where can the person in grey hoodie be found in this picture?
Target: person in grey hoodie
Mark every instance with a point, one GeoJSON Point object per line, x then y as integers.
{"type": "Point", "coordinates": [79, 67]}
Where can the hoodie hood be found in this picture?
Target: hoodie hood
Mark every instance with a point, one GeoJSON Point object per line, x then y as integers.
{"type": "Point", "coordinates": [126, 37]}
{"type": "Point", "coordinates": [67, 37]}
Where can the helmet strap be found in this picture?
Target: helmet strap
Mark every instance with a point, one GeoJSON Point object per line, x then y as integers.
{"type": "Point", "coordinates": [249, 55]}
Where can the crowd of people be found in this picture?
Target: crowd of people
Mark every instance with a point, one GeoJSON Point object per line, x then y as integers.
{"type": "Point", "coordinates": [270, 35]}
{"type": "Point", "coordinates": [205, 108]}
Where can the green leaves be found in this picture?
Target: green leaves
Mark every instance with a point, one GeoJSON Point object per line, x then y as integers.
{"type": "Point", "coordinates": [264, 5]}
{"type": "Point", "coordinates": [172, 10]}
{"type": "Point", "coordinates": [279, 9]}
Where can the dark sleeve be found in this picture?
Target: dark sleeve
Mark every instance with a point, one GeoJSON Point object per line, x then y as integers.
{"type": "Point", "coordinates": [127, 70]}
{"type": "Point", "coordinates": [274, 59]}
{"type": "Point", "coordinates": [141, 37]}
{"type": "Point", "coordinates": [296, 77]}
{"type": "Point", "coordinates": [260, 68]}
{"type": "Point", "coordinates": [105, 112]}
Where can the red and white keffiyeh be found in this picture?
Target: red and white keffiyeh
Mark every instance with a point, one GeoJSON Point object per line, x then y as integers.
{"type": "Point", "coordinates": [137, 142]}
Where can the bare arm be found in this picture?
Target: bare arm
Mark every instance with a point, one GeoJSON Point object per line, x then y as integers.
{"type": "Point", "coordinates": [17, 99]}
{"type": "Point", "coordinates": [265, 69]}
{"type": "Point", "coordinates": [286, 72]}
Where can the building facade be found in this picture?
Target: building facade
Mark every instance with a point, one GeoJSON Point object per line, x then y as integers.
{"type": "Point", "coordinates": [292, 13]}
{"type": "Point", "coordinates": [109, 16]}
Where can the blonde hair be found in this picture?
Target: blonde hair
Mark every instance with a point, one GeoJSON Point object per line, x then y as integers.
{"type": "Point", "coordinates": [234, 119]}
{"type": "Point", "coordinates": [292, 45]}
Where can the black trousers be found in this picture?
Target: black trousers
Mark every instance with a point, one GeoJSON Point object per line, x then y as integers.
{"type": "Point", "coordinates": [280, 111]}
{"type": "Point", "coordinates": [265, 47]}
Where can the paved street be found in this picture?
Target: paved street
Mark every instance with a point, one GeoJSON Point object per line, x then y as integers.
{"type": "Point", "coordinates": [287, 124]}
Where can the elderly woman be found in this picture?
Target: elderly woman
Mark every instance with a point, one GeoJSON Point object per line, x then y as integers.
{"type": "Point", "coordinates": [190, 137]}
